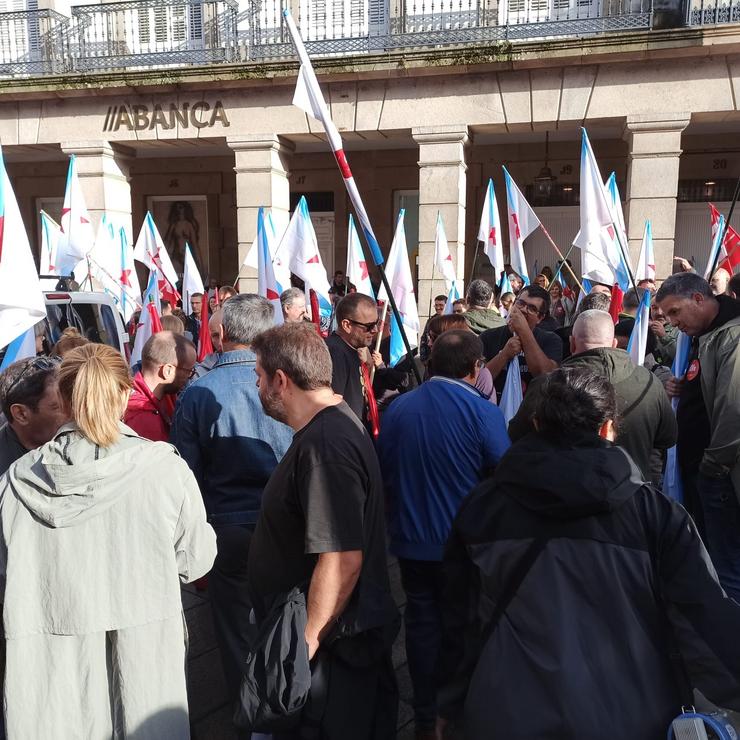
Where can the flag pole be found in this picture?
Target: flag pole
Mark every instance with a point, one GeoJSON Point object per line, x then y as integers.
{"type": "Point", "coordinates": [336, 146]}
{"type": "Point", "coordinates": [559, 271]}
{"type": "Point", "coordinates": [475, 259]}
{"type": "Point", "coordinates": [560, 254]}
{"type": "Point", "coordinates": [715, 260]}
{"type": "Point", "coordinates": [379, 338]}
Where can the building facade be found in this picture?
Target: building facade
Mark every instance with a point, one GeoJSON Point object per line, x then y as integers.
{"type": "Point", "coordinates": [185, 108]}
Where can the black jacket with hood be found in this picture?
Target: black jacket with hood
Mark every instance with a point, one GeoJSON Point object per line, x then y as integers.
{"type": "Point", "coordinates": [646, 419]}
{"type": "Point", "coordinates": [582, 650]}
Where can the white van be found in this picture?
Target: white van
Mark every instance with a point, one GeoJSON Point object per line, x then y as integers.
{"type": "Point", "coordinates": [94, 314]}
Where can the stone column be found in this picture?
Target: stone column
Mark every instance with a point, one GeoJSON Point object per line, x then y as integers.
{"type": "Point", "coordinates": [104, 179]}
{"type": "Point", "coordinates": [261, 166]}
{"type": "Point", "coordinates": [441, 189]}
{"type": "Point", "coordinates": [652, 182]}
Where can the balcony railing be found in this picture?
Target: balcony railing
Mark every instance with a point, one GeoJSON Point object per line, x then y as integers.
{"type": "Point", "coordinates": [131, 34]}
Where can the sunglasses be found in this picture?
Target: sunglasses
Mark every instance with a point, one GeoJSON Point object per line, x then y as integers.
{"type": "Point", "coordinates": [369, 326]}
{"type": "Point", "coordinates": [42, 364]}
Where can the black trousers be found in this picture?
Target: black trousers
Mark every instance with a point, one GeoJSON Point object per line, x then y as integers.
{"type": "Point", "coordinates": [227, 586]}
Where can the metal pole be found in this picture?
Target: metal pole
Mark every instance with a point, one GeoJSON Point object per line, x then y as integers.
{"type": "Point", "coordinates": [560, 254]}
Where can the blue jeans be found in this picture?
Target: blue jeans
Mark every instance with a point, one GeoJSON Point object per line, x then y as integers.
{"type": "Point", "coordinates": [422, 582]}
{"type": "Point", "coordinates": [722, 524]}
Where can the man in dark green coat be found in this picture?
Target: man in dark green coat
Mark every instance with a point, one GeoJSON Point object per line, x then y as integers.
{"type": "Point", "coordinates": [646, 419]}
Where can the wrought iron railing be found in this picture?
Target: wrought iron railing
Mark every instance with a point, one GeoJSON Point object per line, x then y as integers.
{"type": "Point", "coordinates": [33, 42]}
{"type": "Point", "coordinates": [712, 12]}
{"type": "Point", "coordinates": [130, 34]}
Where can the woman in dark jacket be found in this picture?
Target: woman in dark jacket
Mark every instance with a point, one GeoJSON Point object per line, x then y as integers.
{"type": "Point", "coordinates": [570, 581]}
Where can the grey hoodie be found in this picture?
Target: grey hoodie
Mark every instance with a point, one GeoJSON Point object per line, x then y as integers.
{"type": "Point", "coordinates": [646, 420]}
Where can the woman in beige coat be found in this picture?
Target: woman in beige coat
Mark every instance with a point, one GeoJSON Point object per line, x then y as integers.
{"type": "Point", "coordinates": [98, 528]}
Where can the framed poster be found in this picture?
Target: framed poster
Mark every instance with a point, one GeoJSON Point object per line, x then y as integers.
{"type": "Point", "coordinates": [181, 220]}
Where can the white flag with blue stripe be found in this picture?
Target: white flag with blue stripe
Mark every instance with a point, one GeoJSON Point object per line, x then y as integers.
{"type": "Point", "coordinates": [672, 484]}
{"type": "Point", "coordinates": [637, 346]}
{"type": "Point", "coordinates": [512, 395]}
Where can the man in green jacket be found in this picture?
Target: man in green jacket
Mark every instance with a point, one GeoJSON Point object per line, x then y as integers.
{"type": "Point", "coordinates": [481, 314]}
{"type": "Point", "coordinates": [708, 415]}
{"type": "Point", "coordinates": [646, 419]}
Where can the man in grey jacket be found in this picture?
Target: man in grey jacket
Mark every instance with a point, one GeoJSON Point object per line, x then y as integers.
{"type": "Point", "coordinates": [646, 419]}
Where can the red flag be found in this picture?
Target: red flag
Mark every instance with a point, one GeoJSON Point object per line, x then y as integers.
{"type": "Point", "coordinates": [205, 345]}
{"type": "Point", "coordinates": [372, 405]}
{"type": "Point", "coordinates": [615, 306]}
{"type": "Point", "coordinates": [729, 257]}
{"type": "Point", "coordinates": [315, 314]}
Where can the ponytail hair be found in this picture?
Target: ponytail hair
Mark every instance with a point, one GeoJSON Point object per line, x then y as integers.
{"type": "Point", "coordinates": [94, 381]}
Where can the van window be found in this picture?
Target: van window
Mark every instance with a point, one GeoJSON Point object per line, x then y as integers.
{"type": "Point", "coordinates": [93, 320]}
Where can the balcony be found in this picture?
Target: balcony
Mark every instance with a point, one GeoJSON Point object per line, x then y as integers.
{"type": "Point", "coordinates": [136, 34]}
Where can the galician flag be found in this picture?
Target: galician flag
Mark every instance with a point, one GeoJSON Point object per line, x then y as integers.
{"type": "Point", "coordinates": [716, 251]}
{"type": "Point", "coordinates": [300, 248]}
{"type": "Point", "coordinates": [191, 281]}
{"type": "Point", "coordinates": [637, 346]}
{"type": "Point", "coordinates": [729, 253]}
{"type": "Point", "coordinates": [489, 231]}
{"type": "Point", "coordinates": [150, 250]}
{"type": "Point", "coordinates": [619, 259]}
{"type": "Point", "coordinates": [357, 270]}
{"type": "Point", "coordinates": [266, 283]}
{"type": "Point", "coordinates": [77, 237]}
{"type": "Point", "coordinates": [443, 263]}
{"type": "Point", "coordinates": [672, 484]}
{"type": "Point", "coordinates": [512, 395]}
{"type": "Point", "coordinates": [149, 322]}
{"type": "Point", "coordinates": [279, 266]}
{"type": "Point", "coordinates": [21, 348]}
{"type": "Point", "coordinates": [398, 272]}
{"type": "Point", "coordinates": [50, 232]}
{"type": "Point", "coordinates": [646, 263]}
{"type": "Point", "coordinates": [522, 222]}
{"type": "Point", "coordinates": [21, 299]}
{"type": "Point", "coordinates": [128, 280]}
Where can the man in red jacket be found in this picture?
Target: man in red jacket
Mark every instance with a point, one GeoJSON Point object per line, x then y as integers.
{"type": "Point", "coordinates": [167, 362]}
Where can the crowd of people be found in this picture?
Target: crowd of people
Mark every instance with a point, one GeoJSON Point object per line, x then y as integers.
{"type": "Point", "coordinates": [552, 589]}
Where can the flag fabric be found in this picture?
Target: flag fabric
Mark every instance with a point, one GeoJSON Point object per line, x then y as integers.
{"type": "Point", "coordinates": [672, 484]}
{"type": "Point", "coordinates": [615, 203]}
{"type": "Point", "coordinates": [21, 298]}
{"type": "Point", "coordinates": [357, 271]}
{"type": "Point", "coordinates": [266, 283]}
{"type": "Point", "coordinates": [192, 282]}
{"type": "Point", "coordinates": [398, 272]}
{"type": "Point", "coordinates": [452, 296]}
{"type": "Point", "coordinates": [637, 346]}
{"type": "Point", "coordinates": [128, 280]}
{"type": "Point", "coordinates": [150, 250]}
{"type": "Point", "coordinates": [601, 258]}
{"type": "Point", "coordinates": [505, 285]}
{"type": "Point", "coordinates": [149, 322]}
{"type": "Point", "coordinates": [50, 232]}
{"type": "Point", "coordinates": [617, 303]}
{"type": "Point", "coordinates": [76, 235]}
{"type": "Point", "coordinates": [309, 98]}
{"type": "Point", "coordinates": [729, 252]}
{"type": "Point", "coordinates": [300, 248]}
{"type": "Point", "coordinates": [512, 395]}
{"type": "Point", "coordinates": [646, 263]}
{"type": "Point", "coordinates": [205, 343]}
{"type": "Point", "coordinates": [489, 231]}
{"type": "Point", "coordinates": [522, 222]}
{"type": "Point", "coordinates": [716, 251]}
{"type": "Point", "coordinates": [442, 257]}
{"type": "Point", "coordinates": [279, 266]}
{"type": "Point", "coordinates": [21, 348]}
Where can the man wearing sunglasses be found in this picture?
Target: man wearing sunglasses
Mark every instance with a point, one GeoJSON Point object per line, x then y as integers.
{"type": "Point", "coordinates": [540, 351]}
{"type": "Point", "coordinates": [167, 364]}
{"type": "Point", "coordinates": [30, 401]}
{"type": "Point", "coordinates": [357, 329]}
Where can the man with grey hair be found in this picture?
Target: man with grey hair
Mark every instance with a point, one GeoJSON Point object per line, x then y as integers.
{"type": "Point", "coordinates": [232, 448]}
{"type": "Point", "coordinates": [481, 314]}
{"type": "Point", "coordinates": [646, 419]}
{"type": "Point", "coordinates": [293, 302]}
{"type": "Point", "coordinates": [708, 415]}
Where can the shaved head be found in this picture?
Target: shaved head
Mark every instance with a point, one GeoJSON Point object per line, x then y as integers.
{"type": "Point", "coordinates": [165, 348]}
{"type": "Point", "coordinates": [593, 329]}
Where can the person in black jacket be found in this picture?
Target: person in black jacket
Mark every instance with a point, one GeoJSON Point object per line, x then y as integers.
{"type": "Point", "coordinates": [597, 578]}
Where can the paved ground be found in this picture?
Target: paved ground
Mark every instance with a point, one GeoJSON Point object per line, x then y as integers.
{"type": "Point", "coordinates": [209, 714]}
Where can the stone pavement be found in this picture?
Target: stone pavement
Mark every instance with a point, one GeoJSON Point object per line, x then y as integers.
{"type": "Point", "coordinates": [210, 716]}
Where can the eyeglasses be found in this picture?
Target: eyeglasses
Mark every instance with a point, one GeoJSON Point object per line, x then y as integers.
{"type": "Point", "coordinates": [43, 364]}
{"type": "Point", "coordinates": [527, 307]}
{"type": "Point", "coordinates": [369, 326]}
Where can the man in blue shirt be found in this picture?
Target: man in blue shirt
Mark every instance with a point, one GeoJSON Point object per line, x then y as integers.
{"type": "Point", "coordinates": [232, 448]}
{"type": "Point", "coordinates": [436, 444]}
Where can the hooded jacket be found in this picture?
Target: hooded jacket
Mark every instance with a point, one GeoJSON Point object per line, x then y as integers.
{"type": "Point", "coordinates": [481, 319]}
{"type": "Point", "coordinates": [94, 543]}
{"type": "Point", "coordinates": [146, 414]}
{"type": "Point", "coordinates": [582, 650]}
{"type": "Point", "coordinates": [646, 419]}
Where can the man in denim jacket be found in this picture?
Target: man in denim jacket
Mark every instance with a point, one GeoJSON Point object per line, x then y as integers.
{"type": "Point", "coordinates": [232, 448]}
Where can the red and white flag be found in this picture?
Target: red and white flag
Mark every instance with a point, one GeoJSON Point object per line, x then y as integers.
{"type": "Point", "coordinates": [489, 231]}
{"type": "Point", "coordinates": [149, 322]}
{"type": "Point", "coordinates": [357, 269]}
{"type": "Point", "coordinates": [522, 222]}
{"type": "Point", "coordinates": [50, 232]}
{"type": "Point", "coordinates": [150, 250]}
{"type": "Point", "coordinates": [76, 238]}
{"type": "Point", "coordinates": [729, 252]}
{"type": "Point", "coordinates": [267, 285]}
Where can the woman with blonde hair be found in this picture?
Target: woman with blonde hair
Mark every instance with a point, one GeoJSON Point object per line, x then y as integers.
{"type": "Point", "coordinates": [97, 529]}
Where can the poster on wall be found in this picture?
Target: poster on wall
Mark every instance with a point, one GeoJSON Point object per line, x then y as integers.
{"type": "Point", "coordinates": [181, 220]}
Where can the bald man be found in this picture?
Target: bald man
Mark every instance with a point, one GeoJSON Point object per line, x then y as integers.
{"type": "Point", "coordinates": [167, 363]}
{"type": "Point", "coordinates": [646, 420]}
{"type": "Point", "coordinates": [215, 329]}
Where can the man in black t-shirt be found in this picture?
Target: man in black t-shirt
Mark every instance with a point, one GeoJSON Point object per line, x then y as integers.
{"type": "Point", "coordinates": [322, 528]}
{"type": "Point", "coordinates": [540, 351]}
{"type": "Point", "coordinates": [708, 415]}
